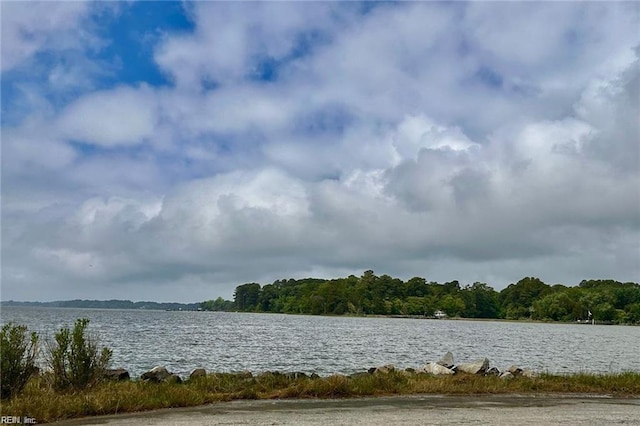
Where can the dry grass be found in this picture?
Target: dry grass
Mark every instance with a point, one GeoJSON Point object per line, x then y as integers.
{"type": "Point", "coordinates": [40, 401]}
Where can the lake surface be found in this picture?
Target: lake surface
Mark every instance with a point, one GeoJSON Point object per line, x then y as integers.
{"type": "Point", "coordinates": [227, 342]}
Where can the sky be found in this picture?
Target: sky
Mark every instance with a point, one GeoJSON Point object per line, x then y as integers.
{"type": "Point", "coordinates": [170, 151]}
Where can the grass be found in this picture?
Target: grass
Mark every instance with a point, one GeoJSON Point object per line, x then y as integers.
{"type": "Point", "coordinates": [40, 401]}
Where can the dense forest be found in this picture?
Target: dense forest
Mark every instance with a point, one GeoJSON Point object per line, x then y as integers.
{"type": "Point", "coordinates": [606, 301]}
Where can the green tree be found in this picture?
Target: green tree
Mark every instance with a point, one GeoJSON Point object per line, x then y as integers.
{"type": "Point", "coordinates": [605, 312]}
{"type": "Point", "coordinates": [454, 306]}
{"type": "Point", "coordinates": [317, 305]}
{"type": "Point", "coordinates": [517, 299]}
{"type": "Point", "coordinates": [558, 306]}
{"type": "Point", "coordinates": [417, 287]}
{"type": "Point", "coordinates": [419, 306]}
{"type": "Point", "coordinates": [364, 293]}
{"type": "Point", "coordinates": [633, 313]}
{"type": "Point", "coordinates": [481, 301]}
{"type": "Point", "coordinates": [246, 297]}
{"type": "Point", "coordinates": [217, 305]}
{"type": "Point", "coordinates": [267, 299]}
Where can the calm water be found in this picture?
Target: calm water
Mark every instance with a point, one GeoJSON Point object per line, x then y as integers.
{"type": "Point", "coordinates": [217, 341]}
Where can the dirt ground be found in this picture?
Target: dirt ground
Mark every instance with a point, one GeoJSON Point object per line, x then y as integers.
{"type": "Point", "coordinates": [400, 410]}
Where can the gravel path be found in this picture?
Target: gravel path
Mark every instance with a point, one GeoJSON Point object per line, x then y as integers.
{"type": "Point", "coordinates": [405, 410]}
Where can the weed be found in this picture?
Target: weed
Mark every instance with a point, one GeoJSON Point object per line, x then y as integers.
{"type": "Point", "coordinates": [18, 351]}
{"type": "Point", "coordinates": [74, 358]}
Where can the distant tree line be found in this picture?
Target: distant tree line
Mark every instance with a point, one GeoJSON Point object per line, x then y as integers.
{"type": "Point", "coordinates": [530, 298]}
{"type": "Point", "coordinates": [106, 304]}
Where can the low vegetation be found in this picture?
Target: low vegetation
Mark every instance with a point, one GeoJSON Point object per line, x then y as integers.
{"type": "Point", "coordinates": [18, 350]}
{"type": "Point", "coordinates": [75, 358]}
{"type": "Point", "coordinates": [41, 401]}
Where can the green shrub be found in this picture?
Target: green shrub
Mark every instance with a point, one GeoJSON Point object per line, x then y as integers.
{"type": "Point", "coordinates": [18, 351]}
{"type": "Point", "coordinates": [74, 358]}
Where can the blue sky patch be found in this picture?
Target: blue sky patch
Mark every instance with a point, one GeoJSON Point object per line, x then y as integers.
{"type": "Point", "coordinates": [269, 69]}
{"type": "Point", "coordinates": [134, 35]}
{"type": "Point", "coordinates": [489, 77]}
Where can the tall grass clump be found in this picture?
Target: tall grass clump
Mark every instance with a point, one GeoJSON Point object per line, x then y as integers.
{"type": "Point", "coordinates": [74, 358]}
{"type": "Point", "coordinates": [18, 350]}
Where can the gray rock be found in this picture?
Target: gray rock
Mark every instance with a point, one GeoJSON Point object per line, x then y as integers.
{"type": "Point", "coordinates": [437, 369]}
{"type": "Point", "coordinates": [446, 360]}
{"type": "Point", "coordinates": [477, 367]}
{"type": "Point", "coordinates": [410, 370]}
{"type": "Point", "coordinates": [493, 371]}
{"type": "Point", "coordinates": [385, 369]}
{"type": "Point", "coordinates": [156, 374]}
{"type": "Point", "coordinates": [506, 375]}
{"type": "Point", "coordinates": [515, 370]}
{"type": "Point", "coordinates": [117, 374]}
{"type": "Point", "coordinates": [197, 373]}
{"type": "Point", "coordinates": [528, 373]}
{"type": "Point", "coordinates": [296, 375]}
{"type": "Point", "coordinates": [360, 374]}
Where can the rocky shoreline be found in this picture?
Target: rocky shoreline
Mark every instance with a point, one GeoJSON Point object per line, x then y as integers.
{"type": "Point", "coordinates": [445, 366]}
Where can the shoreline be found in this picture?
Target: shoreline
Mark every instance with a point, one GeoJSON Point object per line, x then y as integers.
{"type": "Point", "coordinates": [41, 402]}
{"type": "Point", "coordinates": [413, 317]}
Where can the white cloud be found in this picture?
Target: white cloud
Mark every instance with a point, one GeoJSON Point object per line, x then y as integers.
{"type": "Point", "coordinates": [267, 190]}
{"type": "Point", "coordinates": [24, 148]}
{"type": "Point", "coordinates": [230, 38]}
{"type": "Point", "coordinates": [613, 108]}
{"type": "Point", "coordinates": [97, 213]}
{"type": "Point", "coordinates": [419, 132]}
{"type": "Point", "coordinates": [31, 27]}
{"type": "Point", "coordinates": [123, 116]}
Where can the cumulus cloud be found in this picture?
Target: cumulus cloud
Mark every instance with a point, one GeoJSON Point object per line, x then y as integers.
{"type": "Point", "coordinates": [467, 143]}
{"type": "Point", "coordinates": [122, 116]}
{"type": "Point", "coordinates": [29, 28]}
{"type": "Point", "coordinates": [230, 40]}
